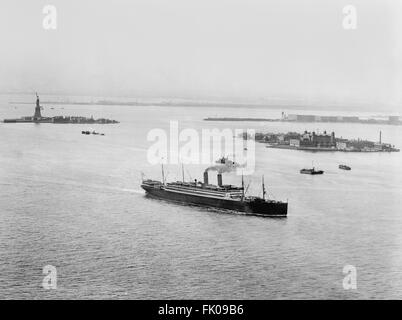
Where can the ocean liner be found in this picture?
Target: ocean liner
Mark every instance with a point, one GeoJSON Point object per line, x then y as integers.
{"type": "Point", "coordinates": [217, 196]}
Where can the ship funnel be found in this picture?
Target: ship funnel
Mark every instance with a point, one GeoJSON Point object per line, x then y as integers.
{"type": "Point", "coordinates": [205, 178]}
{"type": "Point", "coordinates": [219, 179]}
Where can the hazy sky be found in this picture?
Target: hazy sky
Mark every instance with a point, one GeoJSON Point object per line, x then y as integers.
{"type": "Point", "coordinates": [281, 49]}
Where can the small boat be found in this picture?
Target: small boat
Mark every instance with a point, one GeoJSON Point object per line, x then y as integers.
{"type": "Point", "coordinates": [226, 161]}
{"type": "Point", "coordinates": [344, 167]}
{"type": "Point", "coordinates": [92, 132]}
{"type": "Point", "coordinates": [311, 171]}
{"type": "Point", "coordinates": [97, 133]}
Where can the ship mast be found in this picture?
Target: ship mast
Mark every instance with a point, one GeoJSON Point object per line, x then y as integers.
{"type": "Point", "coordinates": [234, 150]}
{"type": "Point", "coordinates": [182, 171]}
{"type": "Point", "coordinates": [242, 186]}
{"type": "Point", "coordinates": [163, 175]}
{"type": "Point", "coordinates": [263, 188]}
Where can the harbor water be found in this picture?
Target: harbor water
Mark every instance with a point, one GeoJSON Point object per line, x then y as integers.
{"type": "Point", "coordinates": [74, 201]}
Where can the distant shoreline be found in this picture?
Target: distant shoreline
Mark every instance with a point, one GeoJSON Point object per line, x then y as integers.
{"type": "Point", "coordinates": [206, 104]}
{"type": "Point", "coordinates": [319, 149]}
{"type": "Point", "coordinates": [359, 121]}
{"type": "Point", "coordinates": [173, 104]}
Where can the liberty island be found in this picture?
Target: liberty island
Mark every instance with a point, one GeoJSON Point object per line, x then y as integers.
{"type": "Point", "coordinates": [38, 118]}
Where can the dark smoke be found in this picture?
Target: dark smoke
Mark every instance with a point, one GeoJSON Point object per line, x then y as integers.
{"type": "Point", "coordinates": [224, 168]}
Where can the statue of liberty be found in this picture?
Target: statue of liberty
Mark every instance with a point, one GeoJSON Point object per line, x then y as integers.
{"type": "Point", "coordinates": [37, 114]}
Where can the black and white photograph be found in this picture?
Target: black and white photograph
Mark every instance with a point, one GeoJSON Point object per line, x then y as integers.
{"type": "Point", "coordinates": [200, 150]}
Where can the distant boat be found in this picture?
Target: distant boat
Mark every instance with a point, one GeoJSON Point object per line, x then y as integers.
{"type": "Point", "coordinates": [311, 171]}
{"type": "Point", "coordinates": [92, 132]}
{"type": "Point", "coordinates": [225, 161]}
{"type": "Point", "coordinates": [344, 167]}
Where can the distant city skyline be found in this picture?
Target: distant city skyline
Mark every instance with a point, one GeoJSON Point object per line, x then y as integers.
{"type": "Point", "coordinates": [290, 51]}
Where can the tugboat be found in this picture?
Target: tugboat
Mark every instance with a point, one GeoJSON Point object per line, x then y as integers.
{"type": "Point", "coordinates": [226, 161]}
{"type": "Point", "coordinates": [311, 171]}
{"type": "Point", "coordinates": [344, 167]}
{"type": "Point", "coordinates": [92, 132]}
{"type": "Point", "coordinates": [217, 196]}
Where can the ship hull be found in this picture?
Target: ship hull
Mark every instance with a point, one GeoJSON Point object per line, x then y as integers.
{"type": "Point", "coordinates": [270, 209]}
{"type": "Point", "coordinates": [307, 171]}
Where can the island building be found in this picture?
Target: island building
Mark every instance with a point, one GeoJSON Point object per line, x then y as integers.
{"type": "Point", "coordinates": [312, 139]}
{"type": "Point", "coordinates": [321, 142]}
